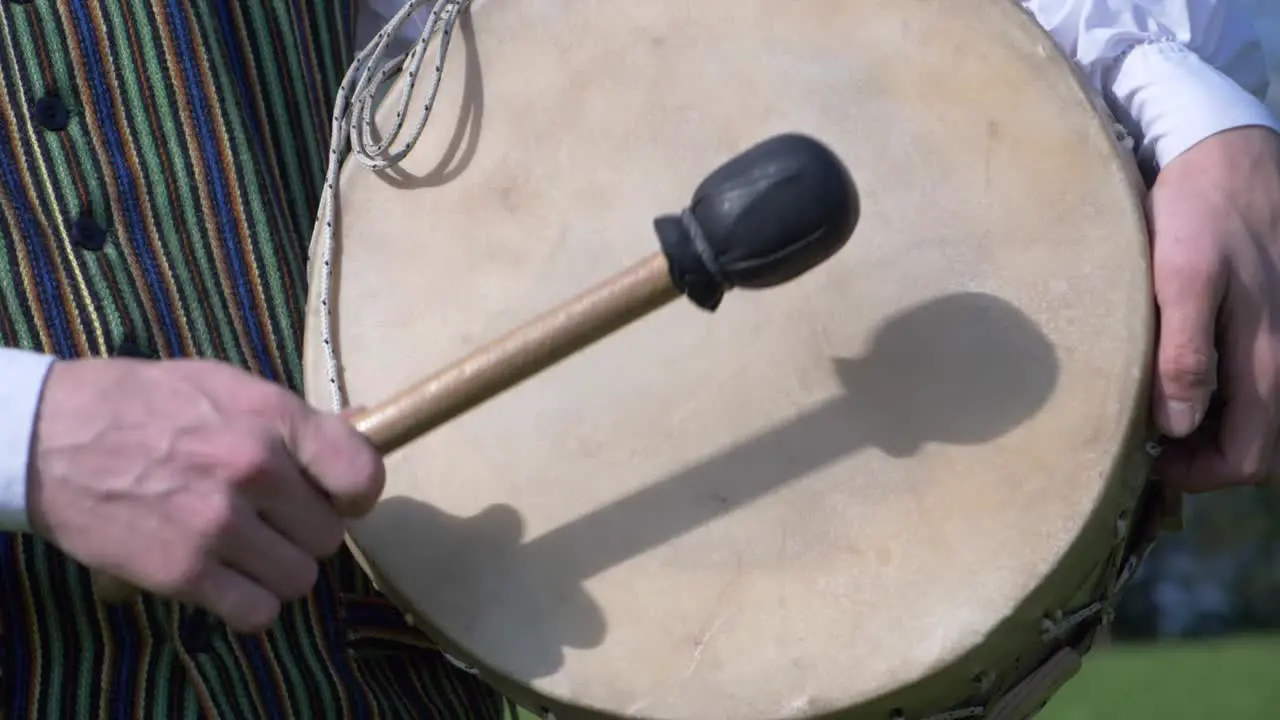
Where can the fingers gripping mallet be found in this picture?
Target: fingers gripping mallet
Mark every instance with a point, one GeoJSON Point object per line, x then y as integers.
{"type": "Point", "coordinates": [762, 219]}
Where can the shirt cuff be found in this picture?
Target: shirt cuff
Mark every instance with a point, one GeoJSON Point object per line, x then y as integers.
{"type": "Point", "coordinates": [1174, 99]}
{"type": "Point", "coordinates": [22, 377]}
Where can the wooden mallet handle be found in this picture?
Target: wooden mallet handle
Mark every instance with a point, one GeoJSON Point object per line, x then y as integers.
{"type": "Point", "coordinates": [760, 220]}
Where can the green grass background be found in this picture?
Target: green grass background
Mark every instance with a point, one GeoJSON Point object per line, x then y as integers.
{"type": "Point", "coordinates": [1211, 680]}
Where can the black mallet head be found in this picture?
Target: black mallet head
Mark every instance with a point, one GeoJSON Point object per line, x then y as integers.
{"type": "Point", "coordinates": [762, 219]}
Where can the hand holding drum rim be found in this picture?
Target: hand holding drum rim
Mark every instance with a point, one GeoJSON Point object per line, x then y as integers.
{"type": "Point", "coordinates": [221, 490]}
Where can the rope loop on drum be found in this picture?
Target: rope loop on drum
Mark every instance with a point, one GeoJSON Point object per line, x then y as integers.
{"type": "Point", "coordinates": [353, 120]}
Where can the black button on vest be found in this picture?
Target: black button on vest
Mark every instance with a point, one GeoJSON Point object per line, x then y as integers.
{"type": "Point", "coordinates": [196, 633]}
{"type": "Point", "coordinates": [51, 113]}
{"type": "Point", "coordinates": [87, 233]}
{"type": "Point", "coordinates": [131, 349]}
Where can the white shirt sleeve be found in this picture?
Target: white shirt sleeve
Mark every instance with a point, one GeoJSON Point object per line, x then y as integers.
{"type": "Point", "coordinates": [22, 376]}
{"type": "Point", "coordinates": [1173, 72]}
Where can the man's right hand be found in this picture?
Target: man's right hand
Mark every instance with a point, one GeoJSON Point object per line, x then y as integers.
{"type": "Point", "coordinates": [196, 481]}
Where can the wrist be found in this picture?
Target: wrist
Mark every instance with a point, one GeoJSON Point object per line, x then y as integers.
{"type": "Point", "coordinates": [24, 377]}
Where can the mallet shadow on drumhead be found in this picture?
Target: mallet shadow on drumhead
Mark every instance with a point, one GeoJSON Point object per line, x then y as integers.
{"type": "Point", "coordinates": [762, 219]}
{"type": "Point", "coordinates": [963, 369]}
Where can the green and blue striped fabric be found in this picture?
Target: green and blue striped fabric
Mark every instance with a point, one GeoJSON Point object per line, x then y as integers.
{"type": "Point", "coordinates": [160, 168]}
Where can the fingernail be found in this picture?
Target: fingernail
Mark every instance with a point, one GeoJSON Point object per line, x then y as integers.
{"type": "Point", "coordinates": [1183, 417]}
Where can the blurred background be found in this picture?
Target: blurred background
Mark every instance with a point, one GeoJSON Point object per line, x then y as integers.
{"type": "Point", "coordinates": [1266, 15]}
{"type": "Point", "coordinates": [1198, 633]}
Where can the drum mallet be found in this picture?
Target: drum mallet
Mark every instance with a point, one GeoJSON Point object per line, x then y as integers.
{"type": "Point", "coordinates": [760, 220]}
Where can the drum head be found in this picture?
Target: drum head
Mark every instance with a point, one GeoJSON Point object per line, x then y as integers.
{"type": "Point", "coordinates": [820, 496]}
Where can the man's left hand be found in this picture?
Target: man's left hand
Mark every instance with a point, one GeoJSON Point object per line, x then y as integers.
{"type": "Point", "coordinates": [1215, 221]}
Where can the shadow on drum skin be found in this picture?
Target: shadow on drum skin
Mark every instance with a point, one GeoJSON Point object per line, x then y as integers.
{"type": "Point", "coordinates": [963, 369]}
{"type": "Point", "coordinates": [470, 118]}
{"type": "Point", "coordinates": [483, 554]}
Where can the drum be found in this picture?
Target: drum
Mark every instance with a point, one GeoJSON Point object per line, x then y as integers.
{"type": "Point", "coordinates": [908, 485]}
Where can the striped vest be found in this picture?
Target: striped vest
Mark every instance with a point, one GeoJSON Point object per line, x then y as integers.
{"type": "Point", "coordinates": [160, 168]}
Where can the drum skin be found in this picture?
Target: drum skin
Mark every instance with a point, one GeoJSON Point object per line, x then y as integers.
{"type": "Point", "coordinates": [857, 494]}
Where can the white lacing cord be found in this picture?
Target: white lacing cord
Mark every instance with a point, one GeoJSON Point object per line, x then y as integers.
{"type": "Point", "coordinates": [353, 119]}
